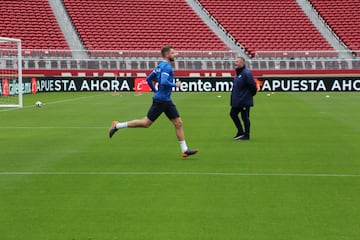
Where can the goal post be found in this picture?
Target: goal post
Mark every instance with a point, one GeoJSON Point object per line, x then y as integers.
{"type": "Point", "coordinates": [11, 86]}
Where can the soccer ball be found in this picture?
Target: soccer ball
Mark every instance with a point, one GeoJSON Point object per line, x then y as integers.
{"type": "Point", "coordinates": [38, 104]}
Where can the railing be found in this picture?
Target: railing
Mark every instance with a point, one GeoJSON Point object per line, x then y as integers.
{"type": "Point", "coordinates": [155, 54]}
{"type": "Point", "coordinates": [123, 54]}
{"type": "Point", "coordinates": [196, 64]}
{"type": "Point", "coordinates": [306, 54]}
{"type": "Point", "coordinates": [186, 60]}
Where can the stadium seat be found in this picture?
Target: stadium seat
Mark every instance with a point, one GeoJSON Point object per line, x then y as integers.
{"type": "Point", "coordinates": [112, 24]}
{"type": "Point", "coordinates": [267, 25]}
{"type": "Point", "coordinates": [33, 22]}
{"type": "Point", "coordinates": [344, 19]}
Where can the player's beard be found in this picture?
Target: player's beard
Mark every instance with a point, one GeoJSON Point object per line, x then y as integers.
{"type": "Point", "coordinates": [172, 62]}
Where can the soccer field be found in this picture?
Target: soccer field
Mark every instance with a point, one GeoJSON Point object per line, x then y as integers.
{"type": "Point", "coordinates": [62, 178]}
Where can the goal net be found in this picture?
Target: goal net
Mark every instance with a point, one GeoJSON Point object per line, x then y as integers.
{"type": "Point", "coordinates": [10, 73]}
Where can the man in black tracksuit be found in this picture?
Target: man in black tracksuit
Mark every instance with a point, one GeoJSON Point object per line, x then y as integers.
{"type": "Point", "coordinates": [244, 88]}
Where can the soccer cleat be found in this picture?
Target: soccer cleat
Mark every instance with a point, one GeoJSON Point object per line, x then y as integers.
{"type": "Point", "coordinates": [244, 138]}
{"type": "Point", "coordinates": [238, 136]}
{"type": "Point", "coordinates": [189, 152]}
{"type": "Point", "coordinates": [113, 128]}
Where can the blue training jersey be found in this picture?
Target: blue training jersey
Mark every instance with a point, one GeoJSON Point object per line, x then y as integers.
{"type": "Point", "coordinates": [164, 75]}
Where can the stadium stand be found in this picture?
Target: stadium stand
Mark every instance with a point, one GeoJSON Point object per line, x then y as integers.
{"type": "Point", "coordinates": [344, 19]}
{"type": "Point", "coordinates": [127, 34]}
{"type": "Point", "coordinates": [33, 22]}
{"type": "Point", "coordinates": [267, 25]}
{"type": "Point", "coordinates": [140, 25]}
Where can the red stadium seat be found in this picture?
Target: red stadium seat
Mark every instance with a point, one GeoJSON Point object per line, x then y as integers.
{"type": "Point", "coordinates": [267, 25]}
{"type": "Point", "coordinates": [141, 24]}
{"type": "Point", "coordinates": [33, 22]}
{"type": "Point", "coordinates": [258, 25]}
{"type": "Point", "coordinates": [343, 17]}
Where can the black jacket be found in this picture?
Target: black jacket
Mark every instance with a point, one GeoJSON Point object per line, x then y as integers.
{"type": "Point", "coordinates": [244, 88]}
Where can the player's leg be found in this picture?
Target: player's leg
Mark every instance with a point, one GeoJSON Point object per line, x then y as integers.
{"type": "Point", "coordinates": [245, 116]}
{"type": "Point", "coordinates": [173, 114]}
{"type": "Point", "coordinates": [234, 114]}
{"type": "Point", "coordinates": [139, 123]}
{"type": "Point", "coordinates": [154, 112]}
{"type": "Point", "coordinates": [179, 130]}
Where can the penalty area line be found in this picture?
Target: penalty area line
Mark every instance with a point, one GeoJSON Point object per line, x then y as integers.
{"type": "Point", "coordinates": [187, 173]}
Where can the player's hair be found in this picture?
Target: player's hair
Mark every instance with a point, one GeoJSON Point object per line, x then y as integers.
{"type": "Point", "coordinates": [242, 58]}
{"type": "Point", "coordinates": [165, 49]}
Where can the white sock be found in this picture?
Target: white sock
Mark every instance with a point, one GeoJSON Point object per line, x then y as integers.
{"type": "Point", "coordinates": [122, 125]}
{"type": "Point", "coordinates": [183, 146]}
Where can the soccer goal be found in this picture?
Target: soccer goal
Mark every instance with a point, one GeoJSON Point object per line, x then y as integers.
{"type": "Point", "coordinates": [10, 73]}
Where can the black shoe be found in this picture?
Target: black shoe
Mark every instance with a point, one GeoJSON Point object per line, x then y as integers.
{"type": "Point", "coordinates": [243, 138]}
{"type": "Point", "coordinates": [237, 136]}
{"type": "Point", "coordinates": [189, 152]}
{"type": "Point", "coordinates": [113, 129]}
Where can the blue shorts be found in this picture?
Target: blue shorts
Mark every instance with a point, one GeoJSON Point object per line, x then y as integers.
{"type": "Point", "coordinates": [159, 107]}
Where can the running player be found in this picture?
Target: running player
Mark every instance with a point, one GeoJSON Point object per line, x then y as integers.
{"type": "Point", "coordinates": [163, 74]}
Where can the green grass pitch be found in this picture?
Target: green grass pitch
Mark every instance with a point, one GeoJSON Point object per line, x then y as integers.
{"type": "Point", "coordinates": [62, 178]}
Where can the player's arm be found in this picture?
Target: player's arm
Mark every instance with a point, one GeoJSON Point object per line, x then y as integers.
{"type": "Point", "coordinates": [165, 80]}
{"type": "Point", "coordinates": [251, 83]}
{"type": "Point", "coordinates": [150, 79]}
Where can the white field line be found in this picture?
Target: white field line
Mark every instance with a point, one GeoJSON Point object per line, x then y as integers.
{"type": "Point", "coordinates": [53, 127]}
{"type": "Point", "coordinates": [186, 173]}
{"type": "Point", "coordinates": [75, 99]}
{"type": "Point", "coordinates": [55, 102]}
